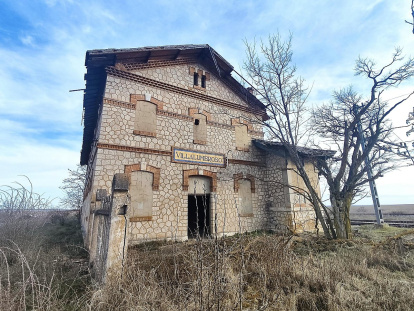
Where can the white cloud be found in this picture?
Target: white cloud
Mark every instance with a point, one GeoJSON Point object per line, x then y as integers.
{"type": "Point", "coordinates": [45, 165]}
{"type": "Point", "coordinates": [52, 3]}
{"type": "Point", "coordinates": [27, 40]}
{"type": "Point", "coordinates": [40, 119]}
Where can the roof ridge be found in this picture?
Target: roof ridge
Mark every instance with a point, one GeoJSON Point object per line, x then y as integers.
{"type": "Point", "coordinates": [146, 48]}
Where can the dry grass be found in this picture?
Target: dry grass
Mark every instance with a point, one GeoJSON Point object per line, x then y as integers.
{"type": "Point", "coordinates": [265, 272]}
{"type": "Point", "coordinates": [42, 267]}
{"type": "Point", "coordinates": [42, 263]}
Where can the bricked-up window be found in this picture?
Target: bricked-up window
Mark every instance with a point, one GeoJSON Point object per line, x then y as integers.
{"type": "Point", "coordinates": [141, 192]}
{"type": "Point", "coordinates": [145, 119]}
{"type": "Point", "coordinates": [242, 137]}
{"type": "Point", "coordinates": [200, 129]}
{"type": "Point", "coordinates": [245, 197]}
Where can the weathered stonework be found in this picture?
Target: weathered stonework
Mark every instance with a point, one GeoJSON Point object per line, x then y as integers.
{"type": "Point", "coordinates": [202, 118]}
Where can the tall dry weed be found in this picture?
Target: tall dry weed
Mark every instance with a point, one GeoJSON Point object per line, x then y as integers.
{"type": "Point", "coordinates": [37, 270]}
{"type": "Point", "coordinates": [279, 273]}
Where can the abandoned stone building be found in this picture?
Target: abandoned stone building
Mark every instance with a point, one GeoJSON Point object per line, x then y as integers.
{"type": "Point", "coordinates": [187, 139]}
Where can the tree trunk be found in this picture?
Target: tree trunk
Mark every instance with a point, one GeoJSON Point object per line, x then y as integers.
{"type": "Point", "coordinates": [324, 221]}
{"type": "Point", "coordinates": [341, 208]}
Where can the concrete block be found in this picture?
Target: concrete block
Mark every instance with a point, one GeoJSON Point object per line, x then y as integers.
{"type": "Point", "coordinates": [120, 182]}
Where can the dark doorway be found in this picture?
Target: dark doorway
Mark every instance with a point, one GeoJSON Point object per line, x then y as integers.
{"type": "Point", "coordinates": [198, 215]}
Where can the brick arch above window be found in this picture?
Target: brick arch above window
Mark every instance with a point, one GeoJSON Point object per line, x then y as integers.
{"type": "Point", "coordinates": [148, 168]}
{"type": "Point", "coordinates": [197, 172]}
{"type": "Point", "coordinates": [134, 98]}
{"type": "Point", "coordinates": [194, 111]}
{"type": "Point", "coordinates": [239, 176]}
{"type": "Point", "coordinates": [241, 121]}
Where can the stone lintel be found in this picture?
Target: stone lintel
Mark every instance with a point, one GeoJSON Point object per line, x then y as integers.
{"type": "Point", "coordinates": [104, 212]}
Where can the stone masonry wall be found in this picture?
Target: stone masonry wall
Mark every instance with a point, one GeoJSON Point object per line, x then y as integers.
{"type": "Point", "coordinates": [118, 147]}
{"type": "Point", "coordinates": [277, 193]}
{"type": "Point", "coordinates": [179, 75]}
{"type": "Point", "coordinates": [169, 218]}
{"type": "Point", "coordinates": [304, 218]}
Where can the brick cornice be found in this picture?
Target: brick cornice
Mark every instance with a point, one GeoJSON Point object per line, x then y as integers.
{"type": "Point", "coordinates": [172, 88]}
{"type": "Point", "coordinates": [122, 104]}
{"type": "Point", "coordinates": [134, 149]}
{"type": "Point", "coordinates": [153, 64]}
{"type": "Point", "coordinates": [168, 153]}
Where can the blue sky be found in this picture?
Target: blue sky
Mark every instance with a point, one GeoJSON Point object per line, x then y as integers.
{"type": "Point", "coordinates": [43, 45]}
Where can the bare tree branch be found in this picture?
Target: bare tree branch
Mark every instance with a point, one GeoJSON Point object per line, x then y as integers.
{"type": "Point", "coordinates": [335, 123]}
{"type": "Point", "coordinates": [73, 187]}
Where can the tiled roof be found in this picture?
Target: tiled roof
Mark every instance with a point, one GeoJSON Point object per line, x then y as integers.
{"type": "Point", "coordinates": [304, 151]}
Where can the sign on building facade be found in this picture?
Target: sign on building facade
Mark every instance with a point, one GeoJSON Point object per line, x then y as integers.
{"type": "Point", "coordinates": [197, 157]}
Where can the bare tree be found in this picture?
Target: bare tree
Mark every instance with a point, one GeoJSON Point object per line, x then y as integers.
{"type": "Point", "coordinates": [412, 13]}
{"type": "Point", "coordinates": [73, 187]}
{"type": "Point", "coordinates": [336, 124]}
{"type": "Point", "coordinates": [284, 95]}
{"type": "Point", "coordinates": [350, 121]}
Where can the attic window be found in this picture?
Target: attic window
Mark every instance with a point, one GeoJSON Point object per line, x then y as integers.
{"type": "Point", "coordinates": [195, 78]}
{"type": "Point", "coordinates": [203, 81]}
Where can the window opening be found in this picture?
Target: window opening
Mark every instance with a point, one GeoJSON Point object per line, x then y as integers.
{"type": "Point", "coordinates": [198, 215]}
{"type": "Point", "coordinates": [195, 78]}
{"type": "Point", "coordinates": [197, 121]}
{"type": "Point", "coordinates": [203, 81]}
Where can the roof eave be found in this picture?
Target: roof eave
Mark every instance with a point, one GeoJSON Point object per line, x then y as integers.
{"type": "Point", "coordinates": [305, 152]}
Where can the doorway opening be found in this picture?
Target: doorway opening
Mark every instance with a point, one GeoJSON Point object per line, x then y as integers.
{"type": "Point", "coordinates": [198, 215]}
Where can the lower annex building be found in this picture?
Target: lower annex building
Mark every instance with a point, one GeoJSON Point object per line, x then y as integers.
{"type": "Point", "coordinates": [189, 138]}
